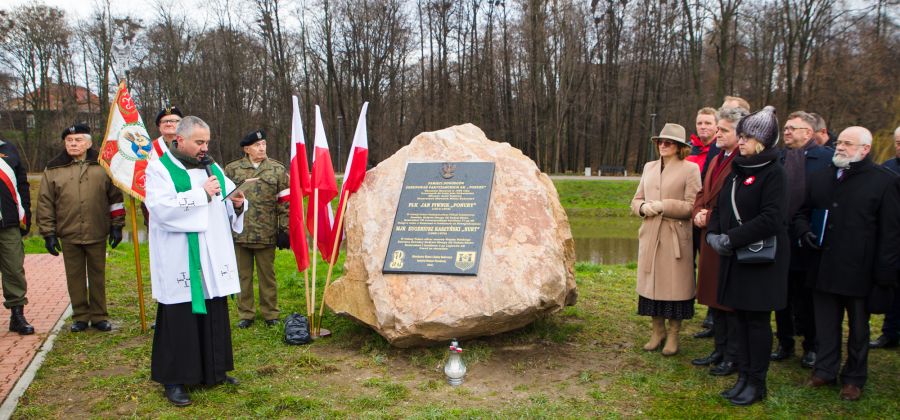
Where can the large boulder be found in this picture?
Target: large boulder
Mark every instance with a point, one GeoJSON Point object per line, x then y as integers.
{"type": "Point", "coordinates": [527, 260]}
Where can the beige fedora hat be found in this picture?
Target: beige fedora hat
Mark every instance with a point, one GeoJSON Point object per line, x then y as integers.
{"type": "Point", "coordinates": [672, 132]}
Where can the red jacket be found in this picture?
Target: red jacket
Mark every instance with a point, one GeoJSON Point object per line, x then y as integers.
{"type": "Point", "coordinates": [699, 152]}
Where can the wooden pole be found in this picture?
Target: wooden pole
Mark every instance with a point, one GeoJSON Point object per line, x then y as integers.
{"type": "Point", "coordinates": [137, 262]}
{"type": "Point", "coordinates": [333, 259]}
{"type": "Point", "coordinates": [315, 248]}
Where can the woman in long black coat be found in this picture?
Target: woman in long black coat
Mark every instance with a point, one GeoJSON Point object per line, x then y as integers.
{"type": "Point", "coordinates": [753, 290]}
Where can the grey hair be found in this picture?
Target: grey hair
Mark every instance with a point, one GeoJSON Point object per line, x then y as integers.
{"type": "Point", "coordinates": [732, 115]}
{"type": "Point", "coordinates": [805, 117]}
{"type": "Point", "coordinates": [897, 131]}
{"type": "Point", "coordinates": [820, 122]}
{"type": "Point", "coordinates": [188, 125]}
{"type": "Point", "coordinates": [865, 136]}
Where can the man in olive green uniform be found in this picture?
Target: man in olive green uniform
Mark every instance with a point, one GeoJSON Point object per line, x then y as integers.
{"type": "Point", "coordinates": [15, 221]}
{"type": "Point", "coordinates": [265, 226]}
{"type": "Point", "coordinates": [79, 206]}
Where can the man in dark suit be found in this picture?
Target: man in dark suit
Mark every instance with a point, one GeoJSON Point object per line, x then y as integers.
{"type": "Point", "coordinates": [857, 257]}
{"type": "Point", "coordinates": [802, 157]}
{"type": "Point", "coordinates": [890, 330]}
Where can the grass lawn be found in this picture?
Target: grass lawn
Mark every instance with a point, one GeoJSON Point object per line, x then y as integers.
{"type": "Point", "coordinates": [584, 361]}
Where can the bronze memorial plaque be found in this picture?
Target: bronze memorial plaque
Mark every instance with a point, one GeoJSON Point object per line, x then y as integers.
{"type": "Point", "coordinates": [439, 225]}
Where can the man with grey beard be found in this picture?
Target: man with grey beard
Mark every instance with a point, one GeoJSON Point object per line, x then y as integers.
{"type": "Point", "coordinates": [856, 257]}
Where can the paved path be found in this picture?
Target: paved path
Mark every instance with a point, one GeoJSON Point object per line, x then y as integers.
{"type": "Point", "coordinates": [48, 300]}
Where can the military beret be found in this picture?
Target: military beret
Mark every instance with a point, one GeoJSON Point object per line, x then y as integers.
{"type": "Point", "coordinates": [169, 110]}
{"type": "Point", "coordinates": [253, 137]}
{"type": "Point", "coordinates": [80, 128]}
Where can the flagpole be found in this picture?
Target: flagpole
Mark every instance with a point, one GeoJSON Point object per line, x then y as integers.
{"type": "Point", "coordinates": [137, 262]}
{"type": "Point", "coordinates": [333, 259]}
{"type": "Point", "coordinates": [314, 259]}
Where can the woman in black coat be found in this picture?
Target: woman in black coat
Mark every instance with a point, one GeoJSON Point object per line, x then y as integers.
{"type": "Point", "coordinates": [753, 290]}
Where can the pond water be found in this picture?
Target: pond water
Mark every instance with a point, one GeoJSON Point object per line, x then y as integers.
{"type": "Point", "coordinates": [605, 240]}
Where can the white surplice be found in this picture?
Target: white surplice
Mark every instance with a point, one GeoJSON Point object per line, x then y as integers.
{"type": "Point", "coordinates": [172, 215]}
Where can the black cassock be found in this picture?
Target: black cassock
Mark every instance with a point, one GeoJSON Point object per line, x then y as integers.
{"type": "Point", "coordinates": [192, 349]}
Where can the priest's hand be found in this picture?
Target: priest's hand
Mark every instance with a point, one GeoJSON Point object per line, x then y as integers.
{"type": "Point", "coordinates": [212, 187]}
{"type": "Point", "coordinates": [283, 240]}
{"type": "Point", "coordinates": [237, 199]}
{"type": "Point", "coordinates": [115, 236]}
{"type": "Point", "coordinates": [52, 245]}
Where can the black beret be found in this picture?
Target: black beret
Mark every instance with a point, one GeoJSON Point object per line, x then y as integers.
{"type": "Point", "coordinates": [253, 137]}
{"type": "Point", "coordinates": [169, 110]}
{"type": "Point", "coordinates": [80, 128]}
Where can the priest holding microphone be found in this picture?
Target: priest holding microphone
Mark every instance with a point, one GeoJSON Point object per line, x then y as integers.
{"type": "Point", "coordinates": [192, 262]}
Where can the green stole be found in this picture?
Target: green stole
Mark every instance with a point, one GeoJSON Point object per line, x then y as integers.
{"type": "Point", "coordinates": [182, 182]}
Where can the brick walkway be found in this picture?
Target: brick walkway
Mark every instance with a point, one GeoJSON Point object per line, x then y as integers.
{"type": "Point", "coordinates": [47, 301]}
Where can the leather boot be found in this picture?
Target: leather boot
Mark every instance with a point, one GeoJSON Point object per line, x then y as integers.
{"type": "Point", "coordinates": [18, 323]}
{"type": "Point", "coordinates": [754, 391]}
{"type": "Point", "coordinates": [658, 334]}
{"type": "Point", "coordinates": [671, 346]}
{"type": "Point", "coordinates": [736, 388]}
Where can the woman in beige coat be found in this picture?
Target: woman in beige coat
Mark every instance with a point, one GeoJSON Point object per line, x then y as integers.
{"type": "Point", "coordinates": [664, 199]}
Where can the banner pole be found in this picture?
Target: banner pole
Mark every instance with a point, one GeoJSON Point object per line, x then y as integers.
{"type": "Point", "coordinates": [312, 321]}
{"type": "Point", "coordinates": [333, 259]}
{"type": "Point", "coordinates": [137, 262]}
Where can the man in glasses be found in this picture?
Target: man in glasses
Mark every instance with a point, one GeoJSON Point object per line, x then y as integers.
{"type": "Point", "coordinates": [802, 157]}
{"type": "Point", "coordinates": [167, 121]}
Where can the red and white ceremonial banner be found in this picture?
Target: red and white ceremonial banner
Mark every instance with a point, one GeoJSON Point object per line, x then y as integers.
{"type": "Point", "coordinates": [322, 179]}
{"type": "Point", "coordinates": [8, 178]}
{"type": "Point", "coordinates": [127, 149]}
{"type": "Point", "coordinates": [355, 171]}
{"type": "Point", "coordinates": [300, 187]}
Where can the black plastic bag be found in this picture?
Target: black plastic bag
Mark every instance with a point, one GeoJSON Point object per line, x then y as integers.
{"type": "Point", "coordinates": [296, 329]}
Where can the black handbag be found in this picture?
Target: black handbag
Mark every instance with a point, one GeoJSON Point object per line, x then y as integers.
{"type": "Point", "coordinates": [296, 329]}
{"type": "Point", "coordinates": [759, 252]}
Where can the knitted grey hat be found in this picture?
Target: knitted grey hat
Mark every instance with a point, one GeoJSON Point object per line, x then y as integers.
{"type": "Point", "coordinates": [761, 125]}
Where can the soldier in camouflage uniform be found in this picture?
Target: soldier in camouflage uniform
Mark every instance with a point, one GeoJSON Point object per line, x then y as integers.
{"type": "Point", "coordinates": [265, 227]}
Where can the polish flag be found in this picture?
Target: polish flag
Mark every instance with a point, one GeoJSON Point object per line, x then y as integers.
{"type": "Point", "coordinates": [355, 171]}
{"type": "Point", "coordinates": [322, 179]}
{"type": "Point", "coordinates": [300, 187]}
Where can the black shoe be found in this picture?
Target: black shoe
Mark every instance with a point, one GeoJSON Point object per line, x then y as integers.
{"type": "Point", "coordinates": [707, 333]}
{"type": "Point", "coordinates": [809, 360]}
{"type": "Point", "coordinates": [230, 380]}
{"type": "Point", "coordinates": [751, 393]}
{"type": "Point", "coordinates": [245, 323]}
{"type": "Point", "coordinates": [272, 322]}
{"type": "Point", "coordinates": [177, 395]}
{"type": "Point", "coordinates": [723, 369]}
{"type": "Point", "coordinates": [708, 321]}
{"type": "Point", "coordinates": [102, 325]}
{"type": "Point", "coordinates": [78, 326]}
{"type": "Point", "coordinates": [17, 321]}
{"type": "Point", "coordinates": [736, 388]}
{"type": "Point", "coordinates": [882, 342]}
{"type": "Point", "coordinates": [714, 358]}
{"type": "Point", "coordinates": [782, 353]}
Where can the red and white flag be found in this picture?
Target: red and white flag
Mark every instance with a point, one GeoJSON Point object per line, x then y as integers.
{"type": "Point", "coordinates": [300, 187]}
{"type": "Point", "coordinates": [322, 179]}
{"type": "Point", "coordinates": [355, 171]}
{"type": "Point", "coordinates": [127, 149]}
{"type": "Point", "coordinates": [10, 182]}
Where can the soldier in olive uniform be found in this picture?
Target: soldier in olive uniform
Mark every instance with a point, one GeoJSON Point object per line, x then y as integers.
{"type": "Point", "coordinates": [265, 227]}
{"type": "Point", "coordinates": [79, 206]}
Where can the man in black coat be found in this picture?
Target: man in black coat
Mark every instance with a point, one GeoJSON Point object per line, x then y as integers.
{"type": "Point", "coordinates": [802, 157]}
{"type": "Point", "coordinates": [890, 330]}
{"type": "Point", "coordinates": [858, 254]}
{"type": "Point", "coordinates": [15, 221]}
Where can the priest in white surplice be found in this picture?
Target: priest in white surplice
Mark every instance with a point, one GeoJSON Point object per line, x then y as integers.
{"type": "Point", "coordinates": [192, 263]}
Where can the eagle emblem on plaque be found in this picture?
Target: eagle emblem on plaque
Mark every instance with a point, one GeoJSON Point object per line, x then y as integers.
{"type": "Point", "coordinates": [465, 260]}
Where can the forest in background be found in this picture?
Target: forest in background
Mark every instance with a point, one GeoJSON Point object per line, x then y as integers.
{"type": "Point", "coordinates": [572, 84]}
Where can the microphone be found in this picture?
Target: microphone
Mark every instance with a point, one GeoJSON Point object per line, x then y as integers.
{"type": "Point", "coordinates": [205, 161]}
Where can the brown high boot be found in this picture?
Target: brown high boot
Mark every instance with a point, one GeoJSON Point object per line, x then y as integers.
{"type": "Point", "coordinates": [671, 346]}
{"type": "Point", "coordinates": [658, 334]}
